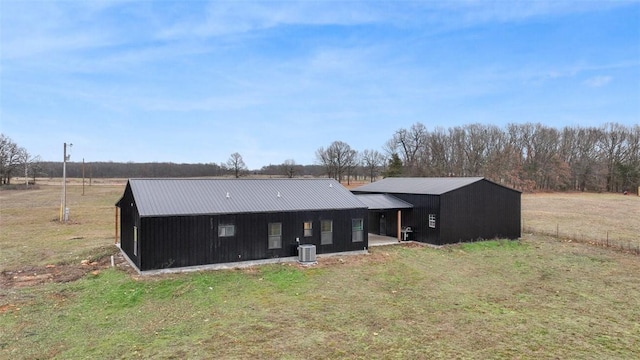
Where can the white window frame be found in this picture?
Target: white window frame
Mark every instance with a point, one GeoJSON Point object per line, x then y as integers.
{"type": "Point", "coordinates": [308, 231]}
{"type": "Point", "coordinates": [432, 221]}
{"type": "Point", "coordinates": [326, 236]}
{"type": "Point", "coordinates": [226, 230]}
{"type": "Point", "coordinates": [135, 240]}
{"type": "Point", "coordinates": [275, 240]}
{"type": "Point", "coordinates": [357, 230]}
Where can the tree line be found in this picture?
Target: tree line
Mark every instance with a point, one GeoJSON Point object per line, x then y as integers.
{"type": "Point", "coordinates": [526, 156]}
{"type": "Point", "coordinates": [15, 161]}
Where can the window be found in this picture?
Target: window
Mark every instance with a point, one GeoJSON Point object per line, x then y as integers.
{"type": "Point", "coordinates": [357, 230]}
{"type": "Point", "coordinates": [226, 230]}
{"type": "Point", "coordinates": [432, 221]}
{"type": "Point", "coordinates": [308, 228]}
{"type": "Point", "coordinates": [326, 232]}
{"type": "Point", "coordinates": [275, 235]}
{"type": "Point", "coordinates": [135, 241]}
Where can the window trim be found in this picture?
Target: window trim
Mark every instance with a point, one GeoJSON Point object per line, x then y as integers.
{"type": "Point", "coordinates": [271, 237]}
{"type": "Point", "coordinates": [432, 221]}
{"type": "Point", "coordinates": [308, 232]}
{"type": "Point", "coordinates": [223, 230]}
{"type": "Point", "coordinates": [135, 240]}
{"type": "Point", "coordinates": [357, 233]}
{"type": "Point", "coordinates": [324, 233]}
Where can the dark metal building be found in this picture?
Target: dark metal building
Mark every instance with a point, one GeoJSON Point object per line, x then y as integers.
{"type": "Point", "coordinates": [168, 223]}
{"type": "Point", "coordinates": [442, 210]}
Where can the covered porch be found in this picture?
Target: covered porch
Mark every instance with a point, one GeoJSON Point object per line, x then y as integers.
{"type": "Point", "coordinates": [386, 214]}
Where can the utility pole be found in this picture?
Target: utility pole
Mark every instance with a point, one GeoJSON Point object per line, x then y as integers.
{"type": "Point", "coordinates": [64, 215]}
{"type": "Point", "coordinates": [82, 176]}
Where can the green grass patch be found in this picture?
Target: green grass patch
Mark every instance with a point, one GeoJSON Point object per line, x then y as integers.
{"type": "Point", "coordinates": [499, 299]}
{"type": "Point", "coordinates": [553, 300]}
{"type": "Point", "coordinates": [503, 245]}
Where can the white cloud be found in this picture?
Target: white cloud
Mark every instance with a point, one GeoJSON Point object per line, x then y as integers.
{"type": "Point", "coordinates": [225, 18]}
{"type": "Point", "coordinates": [598, 81]}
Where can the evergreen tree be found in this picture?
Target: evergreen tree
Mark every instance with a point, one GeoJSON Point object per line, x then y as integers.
{"type": "Point", "coordinates": [395, 166]}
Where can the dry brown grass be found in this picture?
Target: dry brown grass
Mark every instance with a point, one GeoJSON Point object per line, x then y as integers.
{"type": "Point", "coordinates": [536, 298]}
{"type": "Point", "coordinates": [584, 217]}
{"type": "Point", "coordinates": [31, 234]}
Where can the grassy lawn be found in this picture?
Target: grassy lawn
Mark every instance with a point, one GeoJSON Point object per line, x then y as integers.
{"type": "Point", "coordinates": [534, 298]}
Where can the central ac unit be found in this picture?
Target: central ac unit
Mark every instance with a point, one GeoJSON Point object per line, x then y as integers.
{"type": "Point", "coordinates": [307, 253]}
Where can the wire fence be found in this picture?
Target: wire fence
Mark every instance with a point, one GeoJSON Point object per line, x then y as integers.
{"type": "Point", "coordinates": [602, 238]}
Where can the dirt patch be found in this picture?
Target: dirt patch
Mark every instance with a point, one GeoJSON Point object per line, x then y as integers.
{"type": "Point", "coordinates": [37, 275]}
{"type": "Point", "coordinates": [377, 255]}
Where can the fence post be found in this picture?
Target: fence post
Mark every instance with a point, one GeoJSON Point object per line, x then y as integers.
{"type": "Point", "coordinates": [607, 238]}
{"type": "Point", "coordinates": [557, 231]}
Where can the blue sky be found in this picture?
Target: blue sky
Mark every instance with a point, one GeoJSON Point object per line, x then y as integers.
{"type": "Point", "coordinates": [194, 81]}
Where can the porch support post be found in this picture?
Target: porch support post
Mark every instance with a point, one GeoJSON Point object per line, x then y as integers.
{"type": "Point", "coordinates": [399, 225]}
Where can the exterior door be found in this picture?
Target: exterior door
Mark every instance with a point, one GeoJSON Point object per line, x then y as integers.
{"type": "Point", "coordinates": [383, 225]}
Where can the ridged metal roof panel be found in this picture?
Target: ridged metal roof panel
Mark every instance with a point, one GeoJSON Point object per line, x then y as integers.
{"type": "Point", "coordinates": [426, 186]}
{"type": "Point", "coordinates": [161, 197]}
{"type": "Point", "coordinates": [383, 202]}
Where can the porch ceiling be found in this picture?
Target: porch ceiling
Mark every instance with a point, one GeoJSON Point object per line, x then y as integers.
{"type": "Point", "coordinates": [383, 202]}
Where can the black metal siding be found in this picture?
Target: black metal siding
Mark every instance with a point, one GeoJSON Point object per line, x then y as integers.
{"type": "Point", "coordinates": [180, 241]}
{"type": "Point", "coordinates": [129, 218]}
{"type": "Point", "coordinates": [417, 218]}
{"type": "Point", "coordinates": [384, 222]}
{"type": "Point", "coordinates": [482, 210]}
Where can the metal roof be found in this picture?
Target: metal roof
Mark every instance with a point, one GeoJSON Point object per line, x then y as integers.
{"type": "Point", "coordinates": [383, 202]}
{"type": "Point", "coordinates": [161, 197]}
{"type": "Point", "coordinates": [417, 185]}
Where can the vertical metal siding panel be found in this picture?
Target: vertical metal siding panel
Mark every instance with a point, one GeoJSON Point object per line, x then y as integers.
{"type": "Point", "coordinates": [481, 210]}
{"type": "Point", "coordinates": [447, 219]}
{"type": "Point", "coordinates": [171, 252]}
{"type": "Point", "coordinates": [178, 241]}
{"type": "Point", "coordinates": [162, 246]}
{"type": "Point", "coordinates": [146, 239]}
{"type": "Point", "coordinates": [196, 238]}
{"type": "Point", "coordinates": [391, 222]}
{"type": "Point", "coordinates": [418, 217]}
{"type": "Point", "coordinates": [128, 218]}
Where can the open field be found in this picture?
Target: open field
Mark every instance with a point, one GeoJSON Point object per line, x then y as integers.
{"type": "Point", "coordinates": [534, 298]}
{"type": "Point", "coordinates": [584, 217]}
{"type": "Point", "coordinates": [32, 235]}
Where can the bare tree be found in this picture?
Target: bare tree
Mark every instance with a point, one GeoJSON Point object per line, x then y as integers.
{"type": "Point", "coordinates": [337, 159]}
{"type": "Point", "coordinates": [29, 164]}
{"type": "Point", "coordinates": [372, 161]}
{"type": "Point", "coordinates": [10, 158]}
{"type": "Point", "coordinates": [236, 164]}
{"type": "Point", "coordinates": [614, 152]}
{"type": "Point", "coordinates": [289, 168]}
{"type": "Point", "coordinates": [409, 144]}
{"type": "Point", "coordinates": [474, 149]}
{"type": "Point", "coordinates": [440, 154]}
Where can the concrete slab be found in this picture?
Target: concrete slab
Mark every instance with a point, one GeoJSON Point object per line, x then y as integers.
{"type": "Point", "coordinates": [236, 265]}
{"type": "Point", "coordinates": [379, 240]}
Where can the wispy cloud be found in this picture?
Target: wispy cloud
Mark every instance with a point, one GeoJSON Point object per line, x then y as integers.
{"type": "Point", "coordinates": [598, 81]}
{"type": "Point", "coordinates": [226, 17]}
{"type": "Point", "coordinates": [276, 76]}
